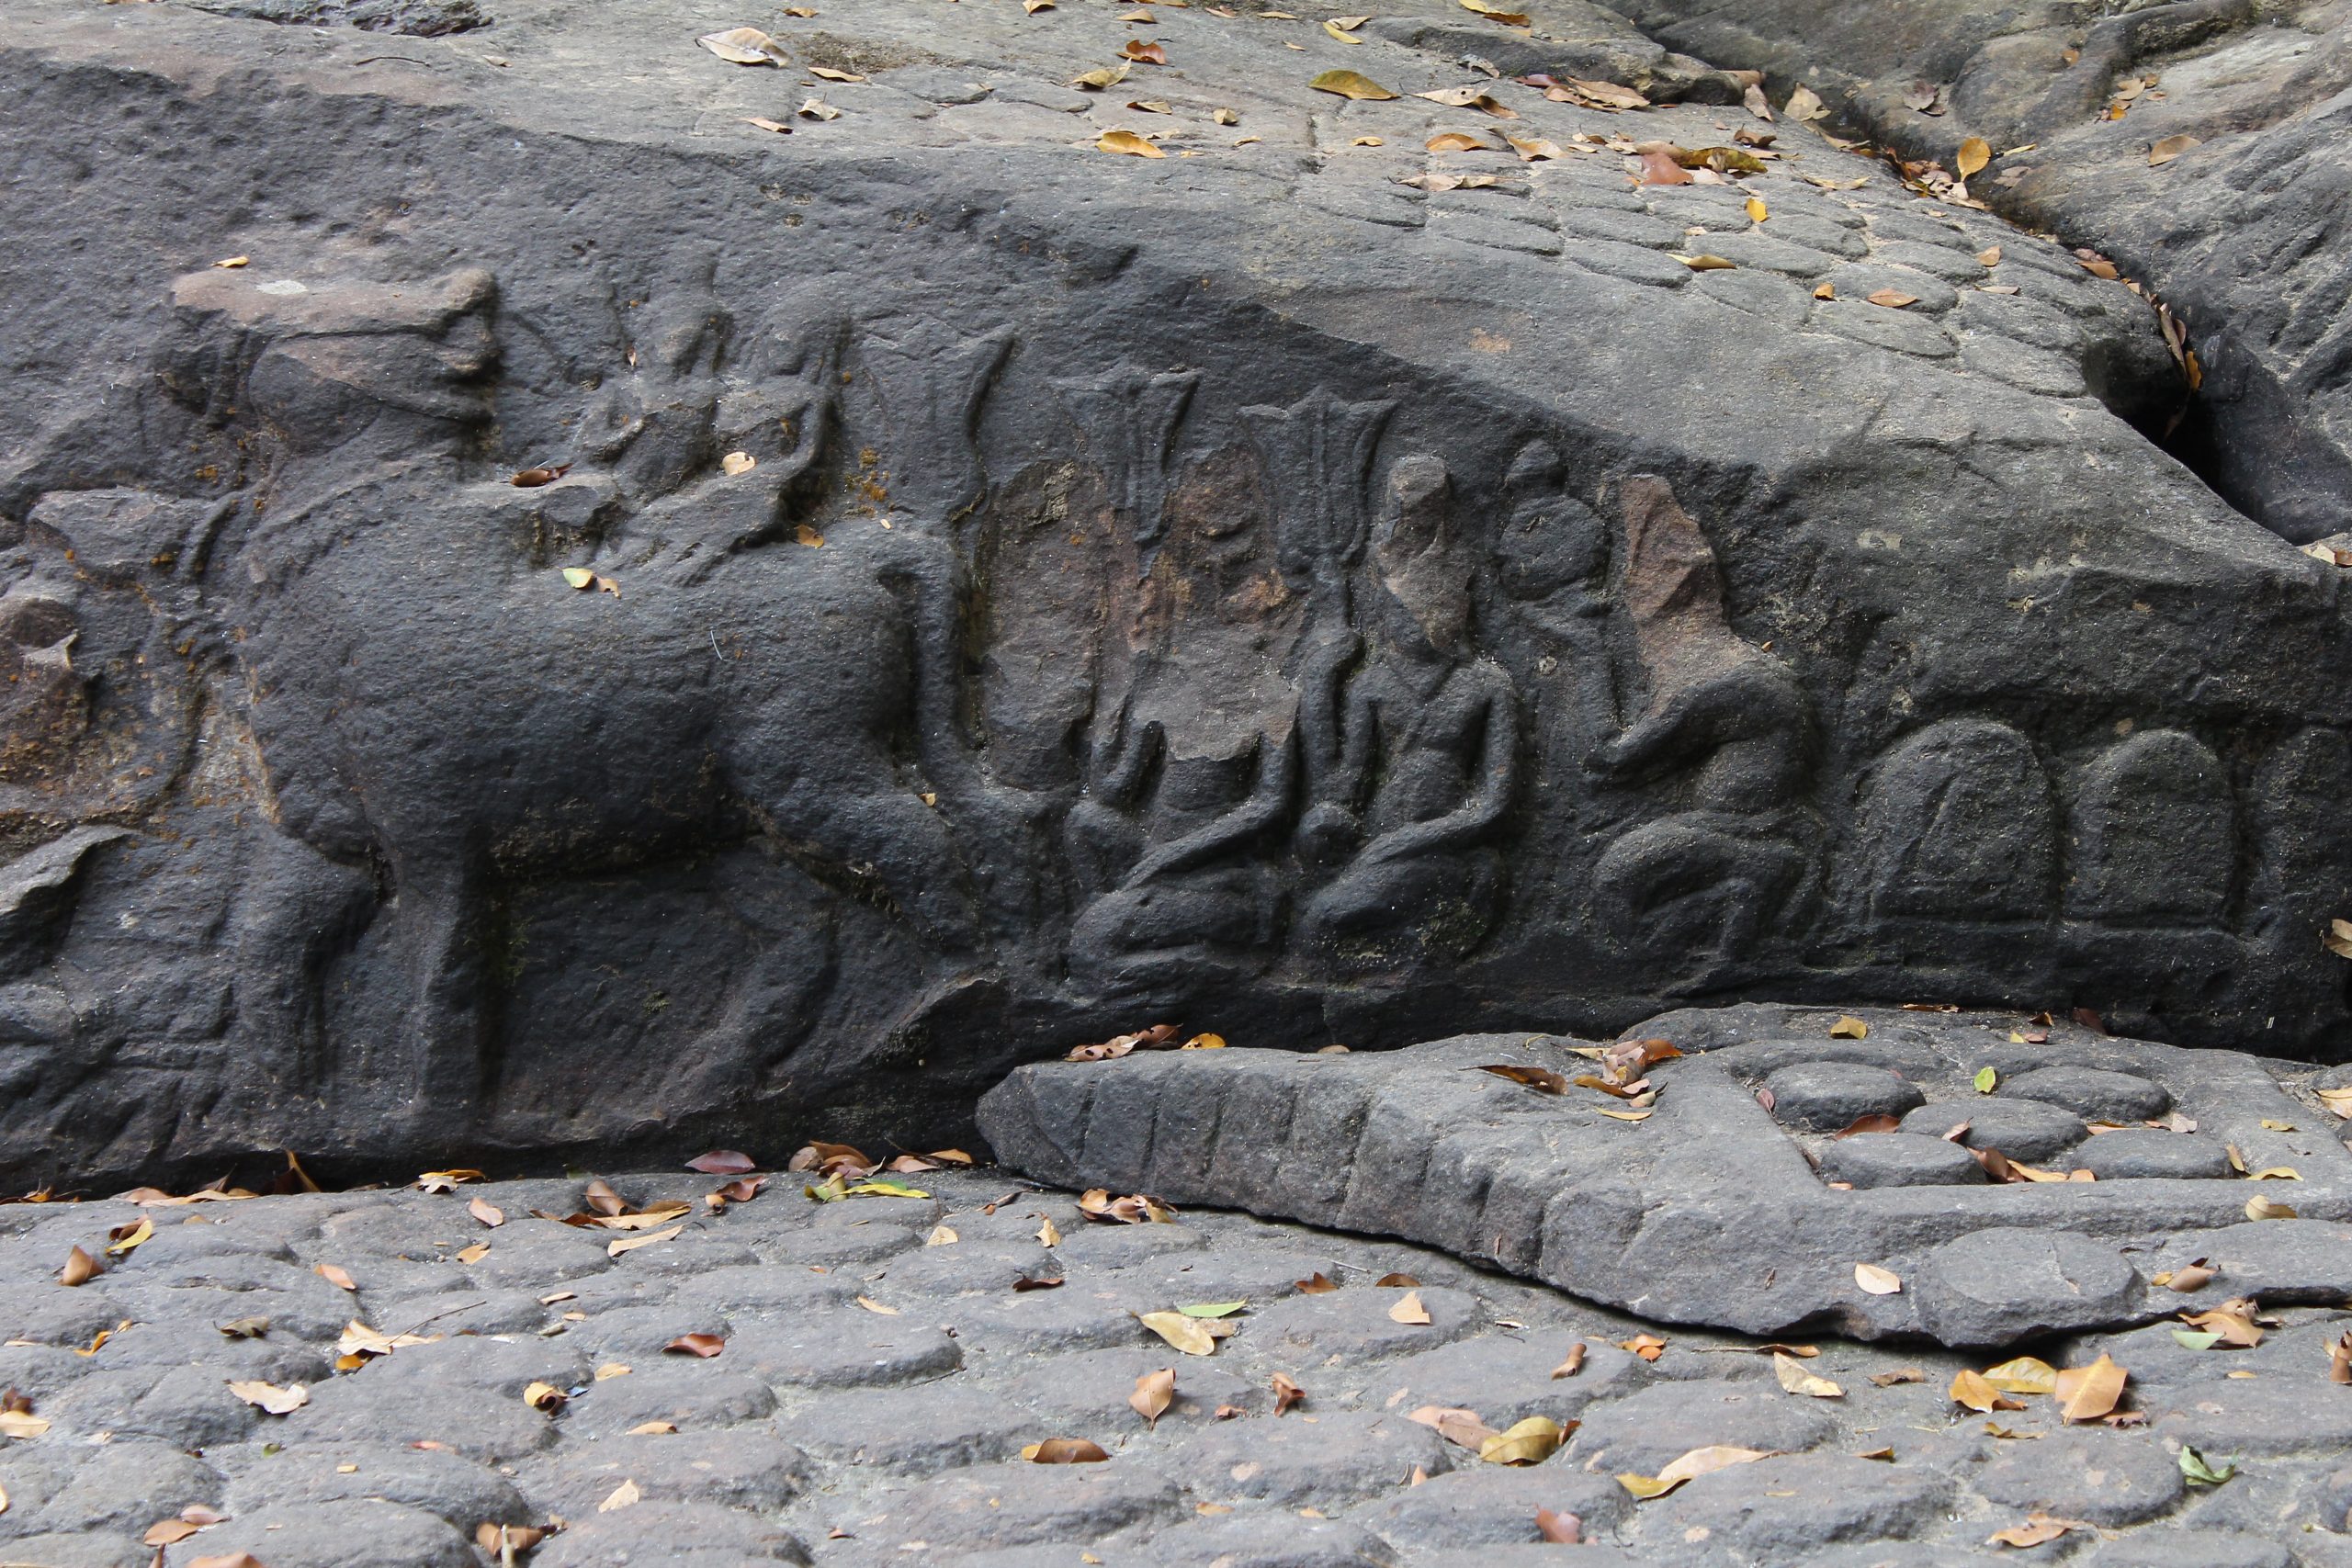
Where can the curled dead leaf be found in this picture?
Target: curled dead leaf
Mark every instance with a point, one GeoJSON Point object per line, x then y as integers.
{"type": "Point", "coordinates": [703, 1346]}
{"type": "Point", "coordinates": [80, 1268]}
{"type": "Point", "coordinates": [1351, 84]}
{"type": "Point", "coordinates": [1154, 1392]}
{"type": "Point", "coordinates": [1288, 1393]}
{"type": "Point", "coordinates": [1796, 1379]}
{"type": "Point", "coordinates": [546, 1397]}
{"type": "Point", "coordinates": [745, 46]}
{"type": "Point", "coordinates": [269, 1397]}
{"type": "Point", "coordinates": [1574, 1364]}
{"type": "Point", "coordinates": [1970, 1389]}
{"type": "Point", "coordinates": [1689, 1467]}
{"type": "Point", "coordinates": [1530, 1441]}
{"type": "Point", "coordinates": [1877, 1281]}
{"type": "Point", "coordinates": [1065, 1451]}
{"type": "Point", "coordinates": [1540, 1080]}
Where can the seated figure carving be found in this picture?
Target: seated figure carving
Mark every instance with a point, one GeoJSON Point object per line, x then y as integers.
{"type": "Point", "coordinates": [1413, 759]}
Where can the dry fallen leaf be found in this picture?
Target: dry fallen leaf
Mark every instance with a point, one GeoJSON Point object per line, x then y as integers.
{"type": "Point", "coordinates": [1973, 156]}
{"type": "Point", "coordinates": [271, 1398]}
{"type": "Point", "coordinates": [1148, 53]}
{"type": "Point", "coordinates": [1649, 1346]}
{"type": "Point", "coordinates": [1893, 299]}
{"type": "Point", "coordinates": [1314, 1284]}
{"type": "Point", "coordinates": [1899, 1375]}
{"type": "Point", "coordinates": [1408, 1308]}
{"type": "Point", "coordinates": [1702, 263]}
{"type": "Point", "coordinates": [1530, 1441]}
{"type": "Point", "coordinates": [1541, 1079]}
{"type": "Point", "coordinates": [1796, 1379]}
{"type": "Point", "coordinates": [745, 46]}
{"type": "Point", "coordinates": [1455, 1425]}
{"type": "Point", "coordinates": [1560, 1528]}
{"type": "Point", "coordinates": [1805, 104]}
{"type": "Point", "coordinates": [619, 1497]}
{"type": "Point", "coordinates": [2023, 1374]}
{"type": "Point", "coordinates": [817, 108]}
{"type": "Point", "coordinates": [1350, 84]}
{"type": "Point", "coordinates": [1336, 31]}
{"type": "Point", "coordinates": [703, 1346]}
{"type": "Point", "coordinates": [2037, 1529]}
{"type": "Point", "coordinates": [1574, 1364]}
{"type": "Point", "coordinates": [1970, 1389]}
{"type": "Point", "coordinates": [487, 1213]}
{"type": "Point", "coordinates": [2264, 1209]}
{"type": "Point", "coordinates": [1095, 81]}
{"type": "Point", "coordinates": [1849, 1027]}
{"type": "Point", "coordinates": [1288, 1393]}
{"type": "Point", "coordinates": [2171, 147]}
{"type": "Point", "coordinates": [631, 1243]}
{"type": "Point", "coordinates": [1876, 1281]}
{"type": "Point", "coordinates": [335, 1275]}
{"type": "Point", "coordinates": [2089, 1394]}
{"type": "Point", "coordinates": [870, 1304]}
{"type": "Point", "coordinates": [80, 1268]}
{"type": "Point", "coordinates": [1691, 1465]}
{"type": "Point", "coordinates": [1189, 1335]}
{"type": "Point", "coordinates": [546, 1396]}
{"type": "Point", "coordinates": [1064, 1451]}
{"type": "Point", "coordinates": [1153, 1393]}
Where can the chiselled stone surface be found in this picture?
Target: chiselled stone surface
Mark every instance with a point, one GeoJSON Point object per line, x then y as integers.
{"type": "Point", "coordinates": [1311, 585]}
{"type": "Point", "coordinates": [1701, 1205]}
{"type": "Point", "coordinates": [1888, 1476]}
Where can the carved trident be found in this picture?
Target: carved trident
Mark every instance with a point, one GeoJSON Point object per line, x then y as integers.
{"type": "Point", "coordinates": [1318, 456]}
{"type": "Point", "coordinates": [1130, 417]}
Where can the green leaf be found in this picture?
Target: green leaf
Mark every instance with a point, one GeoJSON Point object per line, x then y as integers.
{"type": "Point", "coordinates": [885, 1189]}
{"type": "Point", "coordinates": [1985, 1079]}
{"type": "Point", "coordinates": [826, 1191]}
{"type": "Point", "coordinates": [2194, 1339]}
{"type": "Point", "coordinates": [1212, 1309]}
{"type": "Point", "coordinates": [2198, 1473]}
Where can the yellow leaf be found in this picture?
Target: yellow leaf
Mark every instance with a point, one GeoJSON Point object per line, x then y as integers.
{"type": "Point", "coordinates": [1973, 156]}
{"type": "Point", "coordinates": [804, 534]}
{"type": "Point", "coordinates": [1531, 148]}
{"type": "Point", "coordinates": [579, 577]}
{"type": "Point", "coordinates": [2264, 1209]}
{"type": "Point", "coordinates": [1189, 1335]}
{"type": "Point", "coordinates": [829, 74]}
{"type": "Point", "coordinates": [1702, 263]}
{"type": "Point", "coordinates": [17, 1424]}
{"type": "Point", "coordinates": [138, 1233]}
{"type": "Point", "coordinates": [1756, 211]}
{"type": "Point", "coordinates": [1691, 1465]}
{"type": "Point", "coordinates": [870, 1304]}
{"type": "Point", "coordinates": [1127, 141]}
{"type": "Point", "coordinates": [611, 1370]}
{"type": "Point", "coordinates": [1875, 1281]}
{"type": "Point", "coordinates": [1825, 291]}
{"type": "Point", "coordinates": [1850, 1027]}
{"type": "Point", "coordinates": [1624, 1115]}
{"type": "Point", "coordinates": [1350, 84]}
{"type": "Point", "coordinates": [487, 1212]}
{"type": "Point", "coordinates": [234, 260]}
{"type": "Point", "coordinates": [736, 462]}
{"type": "Point", "coordinates": [1340, 33]}
{"type": "Point", "coordinates": [2274, 1173]}
{"type": "Point", "coordinates": [1805, 104]}
{"type": "Point", "coordinates": [473, 1254]}
{"type": "Point", "coordinates": [1108, 76]}
{"type": "Point", "coordinates": [1971, 1388]}
{"type": "Point", "coordinates": [544, 1396]}
{"type": "Point", "coordinates": [652, 1429]}
{"type": "Point", "coordinates": [2023, 1374]}
{"type": "Point", "coordinates": [1531, 1441]}
{"type": "Point", "coordinates": [1409, 1310]}
{"type": "Point", "coordinates": [621, 1497]}
{"type": "Point", "coordinates": [1203, 1043]}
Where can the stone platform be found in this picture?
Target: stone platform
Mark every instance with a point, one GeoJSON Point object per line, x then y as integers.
{"type": "Point", "coordinates": [874, 1393]}
{"type": "Point", "coordinates": [1744, 1188]}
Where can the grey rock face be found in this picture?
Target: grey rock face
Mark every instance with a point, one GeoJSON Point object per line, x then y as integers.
{"type": "Point", "coordinates": [2240, 231]}
{"type": "Point", "coordinates": [1032, 591]}
{"type": "Point", "coordinates": [1702, 1206]}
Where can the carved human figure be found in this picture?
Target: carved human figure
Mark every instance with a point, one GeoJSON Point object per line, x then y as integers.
{"type": "Point", "coordinates": [1416, 757]}
{"type": "Point", "coordinates": [1721, 731]}
{"type": "Point", "coordinates": [1194, 767]}
{"type": "Point", "coordinates": [376, 577]}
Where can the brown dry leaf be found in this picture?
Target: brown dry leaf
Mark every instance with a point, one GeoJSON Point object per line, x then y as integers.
{"type": "Point", "coordinates": [473, 1254]}
{"type": "Point", "coordinates": [1893, 299]}
{"type": "Point", "coordinates": [1457, 1426]}
{"type": "Point", "coordinates": [507, 1544]}
{"type": "Point", "coordinates": [1702, 263]}
{"type": "Point", "coordinates": [1531, 1441]}
{"type": "Point", "coordinates": [745, 46]}
{"type": "Point", "coordinates": [1129, 143]}
{"type": "Point", "coordinates": [1288, 1393]}
{"type": "Point", "coordinates": [2089, 1394]}
{"type": "Point", "coordinates": [1460, 141]}
{"type": "Point", "coordinates": [2195, 1277]}
{"type": "Point", "coordinates": [612, 1369]}
{"type": "Point", "coordinates": [1496, 13]}
{"type": "Point", "coordinates": [1094, 81]}
{"type": "Point", "coordinates": [1189, 1335]}
{"type": "Point", "coordinates": [168, 1532]}
{"type": "Point", "coordinates": [1225, 116]}
{"type": "Point", "coordinates": [619, 1497]}
{"type": "Point", "coordinates": [1047, 1234]}
{"type": "Point", "coordinates": [1634, 1091]}
{"type": "Point", "coordinates": [703, 1346]}
{"type": "Point", "coordinates": [1990, 256]}
{"type": "Point", "coordinates": [532, 479]}
{"type": "Point", "coordinates": [1064, 1451]}
{"type": "Point", "coordinates": [1141, 105]}
{"type": "Point", "coordinates": [1877, 1281]}
{"type": "Point", "coordinates": [1147, 53]}
{"type": "Point", "coordinates": [1849, 1027]}
{"type": "Point", "coordinates": [1030, 1283]}
{"type": "Point", "coordinates": [1649, 1346]}
{"type": "Point", "coordinates": [487, 1213]}
{"type": "Point", "coordinates": [1796, 1379]}
{"type": "Point", "coordinates": [870, 1304]}
{"type": "Point", "coordinates": [1611, 96]}
{"type": "Point", "coordinates": [2097, 266]}
{"type": "Point", "coordinates": [2037, 1529]}
{"type": "Point", "coordinates": [546, 1396]}
{"type": "Point", "coordinates": [1574, 1364]}
{"type": "Point", "coordinates": [2264, 1209]}
{"type": "Point", "coordinates": [1351, 84]}
{"type": "Point", "coordinates": [1540, 1080]}
{"type": "Point", "coordinates": [1825, 291]}
{"type": "Point", "coordinates": [335, 1275]}
{"type": "Point", "coordinates": [270, 1397]}
{"type": "Point", "coordinates": [80, 1268]}
{"type": "Point", "coordinates": [1805, 104]}
{"type": "Point", "coordinates": [1970, 1389]}
{"type": "Point", "coordinates": [1096, 1203]}
{"type": "Point", "coordinates": [2233, 1320]}
{"type": "Point", "coordinates": [1533, 149]}
{"type": "Point", "coordinates": [1154, 1393]}
{"type": "Point", "coordinates": [2171, 147]}
{"type": "Point", "coordinates": [1973, 156]}
{"type": "Point", "coordinates": [829, 74]}
{"type": "Point", "coordinates": [2339, 1360]}
{"type": "Point", "coordinates": [817, 108]}
{"type": "Point", "coordinates": [234, 260]}
{"type": "Point", "coordinates": [1031, 8]}
{"type": "Point", "coordinates": [653, 1429]}
{"type": "Point", "coordinates": [631, 1243]}
{"type": "Point", "coordinates": [16, 1423]}
{"type": "Point", "coordinates": [1900, 1375]}
{"type": "Point", "coordinates": [1659, 168]}
{"type": "Point", "coordinates": [227, 1559]}
{"type": "Point", "coordinates": [445, 1181]}
{"type": "Point", "coordinates": [1877, 1121]}
{"type": "Point", "coordinates": [1314, 1284]}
